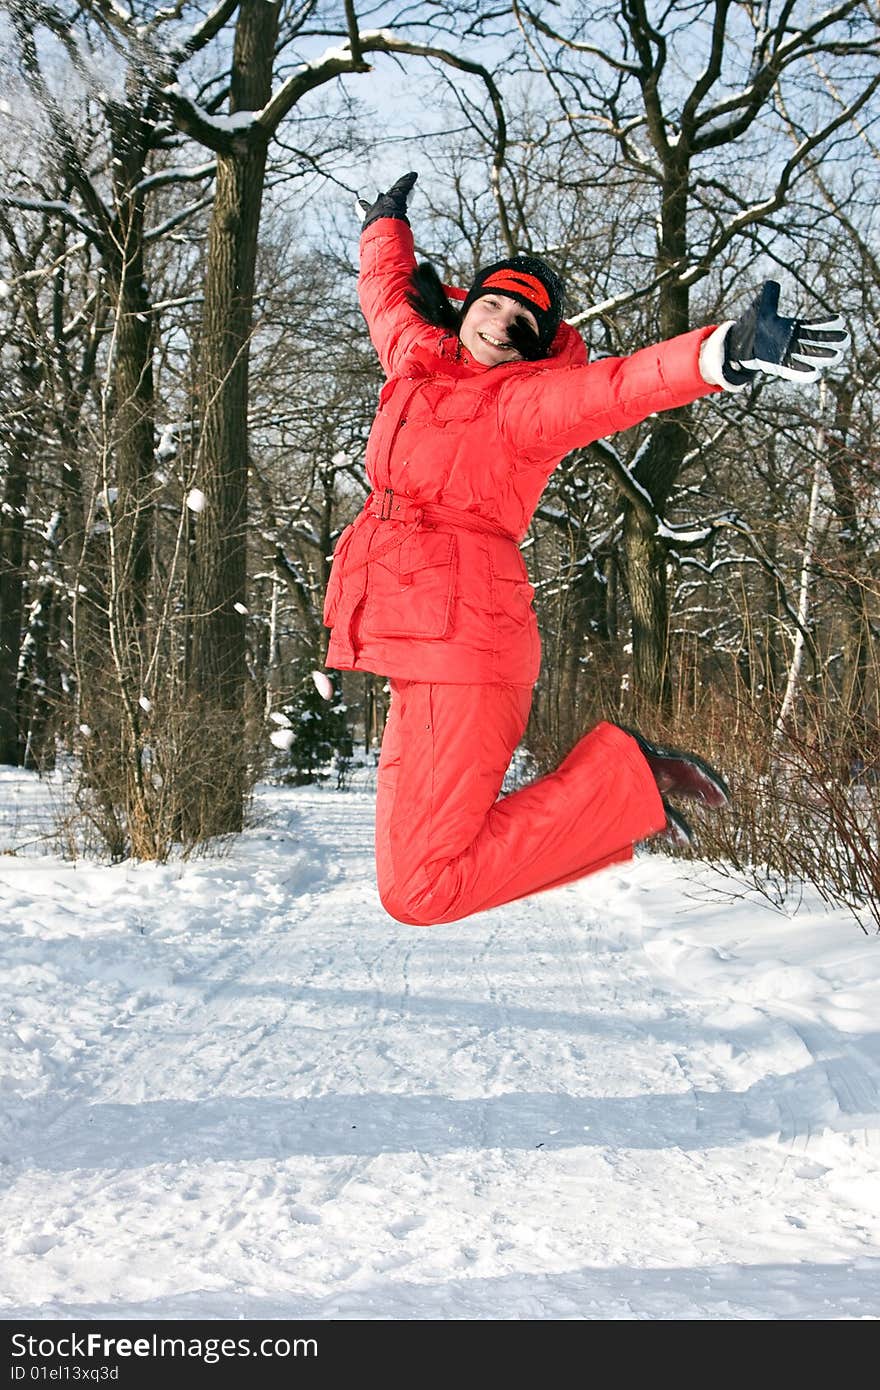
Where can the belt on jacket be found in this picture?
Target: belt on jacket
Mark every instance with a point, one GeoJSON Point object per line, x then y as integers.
{"type": "Point", "coordinates": [389, 505]}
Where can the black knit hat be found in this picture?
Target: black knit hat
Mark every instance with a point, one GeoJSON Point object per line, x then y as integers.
{"type": "Point", "coordinates": [526, 279]}
{"type": "Point", "coordinates": [530, 282]}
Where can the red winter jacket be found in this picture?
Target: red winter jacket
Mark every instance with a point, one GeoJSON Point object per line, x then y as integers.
{"type": "Point", "coordinates": [428, 583]}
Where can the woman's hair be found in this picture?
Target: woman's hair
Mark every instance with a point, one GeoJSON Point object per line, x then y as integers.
{"type": "Point", "coordinates": [428, 297]}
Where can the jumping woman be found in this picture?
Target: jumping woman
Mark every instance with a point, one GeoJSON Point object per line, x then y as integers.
{"type": "Point", "coordinates": [428, 587]}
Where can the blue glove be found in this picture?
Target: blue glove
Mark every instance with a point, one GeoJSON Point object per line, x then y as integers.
{"type": "Point", "coordinates": [762, 340]}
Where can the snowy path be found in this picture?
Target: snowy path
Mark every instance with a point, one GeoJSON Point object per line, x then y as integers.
{"type": "Point", "coordinates": [236, 1088]}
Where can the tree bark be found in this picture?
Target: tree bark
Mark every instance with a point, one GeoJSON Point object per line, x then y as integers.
{"type": "Point", "coordinates": [217, 658]}
{"type": "Point", "coordinates": [649, 608]}
{"type": "Point", "coordinates": [858, 685]}
{"type": "Point", "coordinates": [12, 587]}
{"type": "Point", "coordinates": [659, 466]}
{"type": "Point", "coordinates": [133, 394]}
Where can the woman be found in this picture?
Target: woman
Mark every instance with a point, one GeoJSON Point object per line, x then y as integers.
{"type": "Point", "coordinates": [428, 586]}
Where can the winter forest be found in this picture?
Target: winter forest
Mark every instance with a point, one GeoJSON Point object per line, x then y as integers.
{"type": "Point", "coordinates": [187, 386]}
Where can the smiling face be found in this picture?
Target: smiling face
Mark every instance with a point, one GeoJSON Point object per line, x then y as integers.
{"type": "Point", "coordinates": [484, 329]}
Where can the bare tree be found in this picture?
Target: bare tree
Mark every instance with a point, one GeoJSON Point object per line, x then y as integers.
{"type": "Point", "coordinates": [710, 148]}
{"type": "Point", "coordinates": [235, 112]}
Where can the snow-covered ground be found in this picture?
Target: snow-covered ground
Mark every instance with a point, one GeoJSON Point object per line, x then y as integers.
{"type": "Point", "coordinates": [235, 1088]}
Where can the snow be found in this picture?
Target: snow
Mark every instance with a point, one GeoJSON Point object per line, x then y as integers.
{"type": "Point", "coordinates": [237, 121]}
{"type": "Point", "coordinates": [178, 173]}
{"type": "Point", "coordinates": [336, 54]}
{"type": "Point", "coordinates": [195, 500]}
{"type": "Point", "coordinates": [323, 685]}
{"type": "Point", "coordinates": [233, 1087]}
{"type": "Point", "coordinates": [167, 447]}
{"type": "Point", "coordinates": [65, 210]}
{"type": "Point", "coordinates": [682, 535]}
{"type": "Point", "coordinates": [385, 35]}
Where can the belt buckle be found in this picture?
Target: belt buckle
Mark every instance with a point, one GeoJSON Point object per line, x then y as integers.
{"type": "Point", "coordinates": [386, 504]}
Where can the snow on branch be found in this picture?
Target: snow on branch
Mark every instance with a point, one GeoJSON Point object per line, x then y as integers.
{"type": "Point", "coordinates": [732, 521]}
{"type": "Point", "coordinates": [213, 132]}
{"type": "Point", "coordinates": [623, 476]}
{"type": "Point", "coordinates": [163, 228]}
{"type": "Point", "coordinates": [46, 271]}
{"type": "Point", "coordinates": [218, 132]}
{"type": "Point", "coordinates": [331, 63]}
{"type": "Point", "coordinates": [54, 208]}
{"type": "Point", "coordinates": [113, 19]}
{"type": "Point", "coordinates": [81, 318]}
{"type": "Point", "coordinates": [711, 128]}
{"type": "Point", "coordinates": [176, 175]}
{"type": "Point", "coordinates": [682, 535]}
{"type": "Point", "coordinates": [205, 32]}
{"type": "Point", "coordinates": [619, 301]}
{"type": "Point", "coordinates": [290, 571]}
{"type": "Point", "coordinates": [163, 17]}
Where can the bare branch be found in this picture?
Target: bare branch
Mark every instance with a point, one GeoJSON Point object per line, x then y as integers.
{"type": "Point", "coordinates": [544, 28]}
{"type": "Point", "coordinates": [758, 212]}
{"type": "Point", "coordinates": [54, 208]}
{"type": "Point", "coordinates": [712, 71]}
{"type": "Point", "coordinates": [100, 216]}
{"type": "Point", "coordinates": [163, 228]}
{"type": "Point", "coordinates": [383, 41]}
{"type": "Point", "coordinates": [354, 38]}
{"type": "Point", "coordinates": [211, 25]}
{"type": "Point", "coordinates": [175, 176]}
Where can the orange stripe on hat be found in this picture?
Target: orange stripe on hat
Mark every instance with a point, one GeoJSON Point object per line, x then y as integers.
{"type": "Point", "coordinates": [518, 282]}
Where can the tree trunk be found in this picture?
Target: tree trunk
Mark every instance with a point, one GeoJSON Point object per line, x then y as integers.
{"type": "Point", "coordinates": [12, 591]}
{"type": "Point", "coordinates": [584, 689]}
{"type": "Point", "coordinates": [859, 692]}
{"type": "Point", "coordinates": [657, 470]}
{"type": "Point", "coordinates": [115, 557]}
{"type": "Point", "coordinates": [40, 695]}
{"type": "Point", "coordinates": [22, 444]}
{"type": "Point", "coordinates": [649, 607]}
{"type": "Point", "coordinates": [217, 657]}
{"type": "Point", "coordinates": [133, 400]}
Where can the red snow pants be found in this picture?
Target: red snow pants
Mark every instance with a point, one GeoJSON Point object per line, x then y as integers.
{"type": "Point", "coordinates": [446, 846]}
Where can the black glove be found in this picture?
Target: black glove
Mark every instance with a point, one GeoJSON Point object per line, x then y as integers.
{"type": "Point", "coordinates": [764, 341]}
{"type": "Point", "coordinates": [390, 204]}
{"type": "Point", "coordinates": [524, 338]}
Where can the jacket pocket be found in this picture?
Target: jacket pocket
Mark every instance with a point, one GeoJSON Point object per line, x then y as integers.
{"type": "Point", "coordinates": [512, 593]}
{"type": "Point", "coordinates": [411, 590]}
{"type": "Point", "coordinates": [334, 583]}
